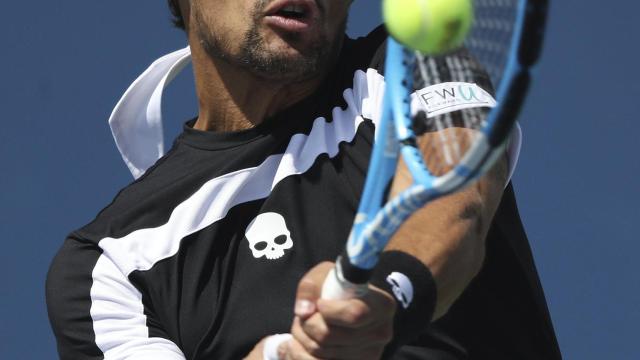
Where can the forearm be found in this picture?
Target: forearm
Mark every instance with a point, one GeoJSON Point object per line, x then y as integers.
{"type": "Point", "coordinates": [448, 234]}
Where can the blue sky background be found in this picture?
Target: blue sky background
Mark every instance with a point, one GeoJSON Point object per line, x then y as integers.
{"type": "Point", "coordinates": [64, 64]}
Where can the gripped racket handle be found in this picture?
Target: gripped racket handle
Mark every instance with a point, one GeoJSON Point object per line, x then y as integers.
{"type": "Point", "coordinates": [337, 287]}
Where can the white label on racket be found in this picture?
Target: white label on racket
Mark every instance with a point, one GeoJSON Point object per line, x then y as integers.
{"type": "Point", "coordinates": [451, 96]}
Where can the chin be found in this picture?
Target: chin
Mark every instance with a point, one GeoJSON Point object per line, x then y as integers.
{"type": "Point", "coordinates": [295, 44]}
{"type": "Point", "coordinates": [281, 60]}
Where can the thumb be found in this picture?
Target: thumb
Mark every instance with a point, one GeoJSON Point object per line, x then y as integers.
{"type": "Point", "coordinates": [309, 290]}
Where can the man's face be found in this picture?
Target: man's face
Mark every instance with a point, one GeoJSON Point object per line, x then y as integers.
{"type": "Point", "coordinates": [286, 40]}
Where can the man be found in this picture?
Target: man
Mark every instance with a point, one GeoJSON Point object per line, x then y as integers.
{"type": "Point", "coordinates": [227, 239]}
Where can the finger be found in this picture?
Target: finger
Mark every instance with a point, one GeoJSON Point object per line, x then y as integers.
{"type": "Point", "coordinates": [295, 351]}
{"type": "Point", "coordinates": [309, 290]}
{"type": "Point", "coordinates": [323, 340]}
{"type": "Point", "coordinates": [354, 345]}
{"type": "Point", "coordinates": [310, 345]}
{"type": "Point", "coordinates": [325, 350]}
{"type": "Point", "coordinates": [317, 330]}
{"type": "Point", "coordinates": [374, 308]}
{"type": "Point", "coordinates": [352, 313]}
{"type": "Point", "coordinates": [283, 350]}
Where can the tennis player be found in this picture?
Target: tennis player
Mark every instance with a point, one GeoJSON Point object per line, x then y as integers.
{"type": "Point", "coordinates": [226, 239]}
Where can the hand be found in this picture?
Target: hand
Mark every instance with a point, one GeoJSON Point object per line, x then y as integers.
{"type": "Point", "coordinates": [338, 329]}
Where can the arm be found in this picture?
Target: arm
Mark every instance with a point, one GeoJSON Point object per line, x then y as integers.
{"type": "Point", "coordinates": [447, 236]}
{"type": "Point", "coordinates": [95, 311]}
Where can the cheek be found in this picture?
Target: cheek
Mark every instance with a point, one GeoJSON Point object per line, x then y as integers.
{"type": "Point", "coordinates": [227, 20]}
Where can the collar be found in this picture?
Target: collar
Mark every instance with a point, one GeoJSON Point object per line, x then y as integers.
{"type": "Point", "coordinates": [136, 121]}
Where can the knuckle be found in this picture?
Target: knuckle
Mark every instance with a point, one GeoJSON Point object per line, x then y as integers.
{"type": "Point", "coordinates": [357, 314]}
{"type": "Point", "coordinates": [312, 347]}
{"type": "Point", "coordinates": [321, 336]}
{"type": "Point", "coordinates": [316, 352]}
{"type": "Point", "coordinates": [306, 283]}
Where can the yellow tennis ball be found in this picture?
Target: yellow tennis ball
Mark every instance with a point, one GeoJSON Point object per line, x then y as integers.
{"type": "Point", "coordinates": [430, 26]}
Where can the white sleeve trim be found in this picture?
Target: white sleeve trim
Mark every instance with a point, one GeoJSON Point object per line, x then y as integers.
{"type": "Point", "coordinates": [513, 150]}
{"type": "Point", "coordinates": [117, 309]}
{"type": "Point", "coordinates": [119, 323]}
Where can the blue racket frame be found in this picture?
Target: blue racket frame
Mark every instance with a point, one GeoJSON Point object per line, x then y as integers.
{"type": "Point", "coordinates": [374, 225]}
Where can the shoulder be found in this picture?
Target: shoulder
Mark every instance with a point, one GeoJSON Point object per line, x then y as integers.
{"type": "Point", "coordinates": [148, 201]}
{"type": "Point", "coordinates": [368, 50]}
{"type": "Point", "coordinates": [365, 52]}
{"type": "Point", "coordinates": [355, 85]}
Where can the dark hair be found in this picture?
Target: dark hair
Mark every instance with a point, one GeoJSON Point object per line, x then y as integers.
{"type": "Point", "coordinates": [178, 20]}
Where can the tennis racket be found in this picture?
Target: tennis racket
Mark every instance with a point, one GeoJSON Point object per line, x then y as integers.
{"type": "Point", "coordinates": [503, 44]}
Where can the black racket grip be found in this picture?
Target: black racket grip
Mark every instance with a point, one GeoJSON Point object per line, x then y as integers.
{"type": "Point", "coordinates": [353, 273]}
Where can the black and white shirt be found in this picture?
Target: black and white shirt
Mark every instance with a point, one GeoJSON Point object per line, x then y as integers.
{"type": "Point", "coordinates": [200, 257]}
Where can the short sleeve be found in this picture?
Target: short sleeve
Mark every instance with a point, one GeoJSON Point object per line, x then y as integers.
{"type": "Point", "coordinates": [95, 311]}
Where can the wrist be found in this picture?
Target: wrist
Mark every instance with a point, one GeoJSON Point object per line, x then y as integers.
{"type": "Point", "coordinates": [413, 287]}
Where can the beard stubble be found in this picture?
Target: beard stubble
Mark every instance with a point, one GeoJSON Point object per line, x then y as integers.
{"type": "Point", "coordinates": [312, 61]}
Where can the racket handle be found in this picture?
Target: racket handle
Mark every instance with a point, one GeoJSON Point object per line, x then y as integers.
{"type": "Point", "coordinates": [337, 287]}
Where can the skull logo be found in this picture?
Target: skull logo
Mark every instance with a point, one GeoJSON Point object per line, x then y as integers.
{"type": "Point", "coordinates": [401, 287]}
{"type": "Point", "coordinates": [268, 236]}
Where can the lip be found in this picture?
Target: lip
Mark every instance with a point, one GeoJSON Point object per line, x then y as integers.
{"type": "Point", "coordinates": [312, 12]}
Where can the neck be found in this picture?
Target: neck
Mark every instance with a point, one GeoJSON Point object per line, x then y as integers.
{"type": "Point", "coordinates": [230, 98]}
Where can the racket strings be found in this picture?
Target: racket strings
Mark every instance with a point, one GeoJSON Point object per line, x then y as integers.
{"type": "Point", "coordinates": [489, 40]}
{"type": "Point", "coordinates": [444, 140]}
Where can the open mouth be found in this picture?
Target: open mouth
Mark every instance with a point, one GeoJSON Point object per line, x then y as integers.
{"type": "Point", "coordinates": [292, 15]}
{"type": "Point", "coordinates": [293, 11]}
